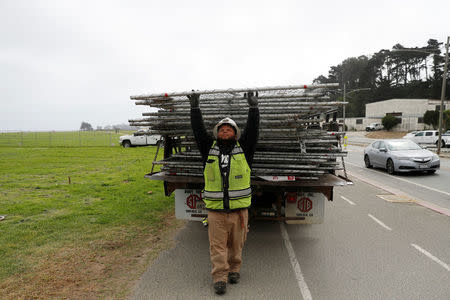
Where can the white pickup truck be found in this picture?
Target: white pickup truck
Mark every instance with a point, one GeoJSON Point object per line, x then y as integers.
{"type": "Point", "coordinates": [374, 126]}
{"type": "Point", "coordinates": [139, 138]}
{"type": "Point", "coordinates": [429, 137]}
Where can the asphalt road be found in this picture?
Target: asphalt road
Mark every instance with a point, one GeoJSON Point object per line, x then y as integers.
{"type": "Point", "coordinates": [367, 248]}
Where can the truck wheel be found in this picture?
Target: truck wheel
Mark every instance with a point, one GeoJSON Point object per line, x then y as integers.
{"type": "Point", "coordinates": [126, 144]}
{"type": "Point", "coordinates": [367, 161]}
{"type": "Point", "coordinates": [390, 167]}
{"type": "Point", "coordinates": [442, 144]}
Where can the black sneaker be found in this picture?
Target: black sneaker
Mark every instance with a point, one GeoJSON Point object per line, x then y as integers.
{"type": "Point", "coordinates": [220, 287]}
{"type": "Point", "coordinates": [233, 277]}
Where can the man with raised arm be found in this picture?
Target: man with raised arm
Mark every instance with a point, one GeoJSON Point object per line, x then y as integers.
{"type": "Point", "coordinates": [227, 159]}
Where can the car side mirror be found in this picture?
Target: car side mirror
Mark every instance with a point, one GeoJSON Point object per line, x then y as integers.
{"type": "Point", "coordinates": [383, 150]}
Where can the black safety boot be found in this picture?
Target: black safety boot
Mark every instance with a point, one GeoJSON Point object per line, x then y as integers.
{"type": "Point", "coordinates": [233, 277]}
{"type": "Point", "coordinates": [220, 287]}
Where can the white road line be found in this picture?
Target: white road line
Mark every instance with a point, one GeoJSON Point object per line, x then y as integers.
{"type": "Point", "coordinates": [379, 222]}
{"type": "Point", "coordinates": [295, 265]}
{"type": "Point", "coordinates": [389, 189]}
{"type": "Point", "coordinates": [405, 180]}
{"type": "Point", "coordinates": [349, 201]}
{"type": "Point", "coordinates": [424, 186]}
{"type": "Point", "coordinates": [353, 164]}
{"type": "Point", "coordinates": [437, 260]}
{"type": "Point", "coordinates": [354, 149]}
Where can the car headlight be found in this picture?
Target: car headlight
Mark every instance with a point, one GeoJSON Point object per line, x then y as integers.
{"type": "Point", "coordinates": [435, 157]}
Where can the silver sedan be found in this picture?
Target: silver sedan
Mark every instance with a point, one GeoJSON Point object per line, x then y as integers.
{"type": "Point", "coordinates": [400, 155]}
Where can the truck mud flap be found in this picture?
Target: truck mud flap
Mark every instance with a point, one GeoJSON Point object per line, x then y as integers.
{"type": "Point", "coordinates": [189, 205]}
{"type": "Point", "coordinates": [308, 208]}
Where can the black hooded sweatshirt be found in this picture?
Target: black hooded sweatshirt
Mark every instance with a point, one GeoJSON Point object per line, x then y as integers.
{"type": "Point", "coordinates": [247, 141]}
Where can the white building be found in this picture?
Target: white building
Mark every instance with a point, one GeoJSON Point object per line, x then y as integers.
{"type": "Point", "coordinates": [410, 112]}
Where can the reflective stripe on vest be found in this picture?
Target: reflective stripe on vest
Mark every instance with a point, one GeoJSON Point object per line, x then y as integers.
{"type": "Point", "coordinates": [239, 191]}
{"type": "Point", "coordinates": [231, 194]}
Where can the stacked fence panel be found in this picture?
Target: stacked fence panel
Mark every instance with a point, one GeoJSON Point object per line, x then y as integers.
{"type": "Point", "coordinates": [298, 135]}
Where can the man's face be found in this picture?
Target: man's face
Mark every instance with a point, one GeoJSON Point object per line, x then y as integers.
{"type": "Point", "coordinates": [226, 132]}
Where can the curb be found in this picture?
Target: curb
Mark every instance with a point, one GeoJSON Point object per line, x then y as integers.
{"type": "Point", "coordinates": [434, 207]}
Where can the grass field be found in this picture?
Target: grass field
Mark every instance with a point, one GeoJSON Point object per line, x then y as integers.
{"type": "Point", "coordinates": [61, 138]}
{"type": "Point", "coordinates": [383, 134]}
{"type": "Point", "coordinates": [86, 239]}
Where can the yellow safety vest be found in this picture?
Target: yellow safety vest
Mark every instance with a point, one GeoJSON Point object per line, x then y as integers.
{"type": "Point", "coordinates": [239, 190]}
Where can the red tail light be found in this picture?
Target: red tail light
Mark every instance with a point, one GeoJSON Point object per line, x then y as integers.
{"type": "Point", "coordinates": [291, 197]}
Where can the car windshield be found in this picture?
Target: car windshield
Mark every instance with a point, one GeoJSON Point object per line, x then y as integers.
{"type": "Point", "coordinates": [402, 145]}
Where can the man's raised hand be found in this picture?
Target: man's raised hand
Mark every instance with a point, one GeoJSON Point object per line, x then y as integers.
{"type": "Point", "coordinates": [194, 99]}
{"type": "Point", "coordinates": [252, 98]}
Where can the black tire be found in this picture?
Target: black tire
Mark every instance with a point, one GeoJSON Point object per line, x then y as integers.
{"type": "Point", "coordinates": [442, 144]}
{"type": "Point", "coordinates": [431, 172]}
{"type": "Point", "coordinates": [390, 167]}
{"type": "Point", "coordinates": [367, 161]}
{"type": "Point", "coordinates": [126, 144]}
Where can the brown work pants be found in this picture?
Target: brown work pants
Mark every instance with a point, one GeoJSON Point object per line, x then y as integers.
{"type": "Point", "coordinates": [227, 234]}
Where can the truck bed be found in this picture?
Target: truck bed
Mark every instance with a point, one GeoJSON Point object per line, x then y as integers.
{"type": "Point", "coordinates": [325, 183]}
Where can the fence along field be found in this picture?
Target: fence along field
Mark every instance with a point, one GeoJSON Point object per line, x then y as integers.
{"type": "Point", "coordinates": [61, 138]}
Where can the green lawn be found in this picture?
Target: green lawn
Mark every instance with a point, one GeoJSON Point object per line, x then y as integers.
{"type": "Point", "coordinates": [108, 200]}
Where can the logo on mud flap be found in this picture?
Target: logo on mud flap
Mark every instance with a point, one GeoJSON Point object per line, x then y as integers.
{"type": "Point", "coordinates": [304, 204]}
{"type": "Point", "coordinates": [191, 201]}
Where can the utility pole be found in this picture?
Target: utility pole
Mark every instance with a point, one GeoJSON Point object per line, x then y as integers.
{"type": "Point", "coordinates": [343, 112]}
{"type": "Point", "coordinates": [444, 83]}
{"type": "Point", "coordinates": [345, 99]}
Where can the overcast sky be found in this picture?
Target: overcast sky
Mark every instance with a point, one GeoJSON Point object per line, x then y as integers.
{"type": "Point", "coordinates": [63, 62]}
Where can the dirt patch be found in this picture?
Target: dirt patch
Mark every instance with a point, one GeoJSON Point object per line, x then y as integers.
{"type": "Point", "coordinates": [98, 269]}
{"type": "Point", "coordinates": [382, 134]}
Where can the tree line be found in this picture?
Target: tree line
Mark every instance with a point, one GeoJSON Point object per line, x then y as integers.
{"type": "Point", "coordinates": [85, 126]}
{"type": "Point", "coordinates": [397, 73]}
